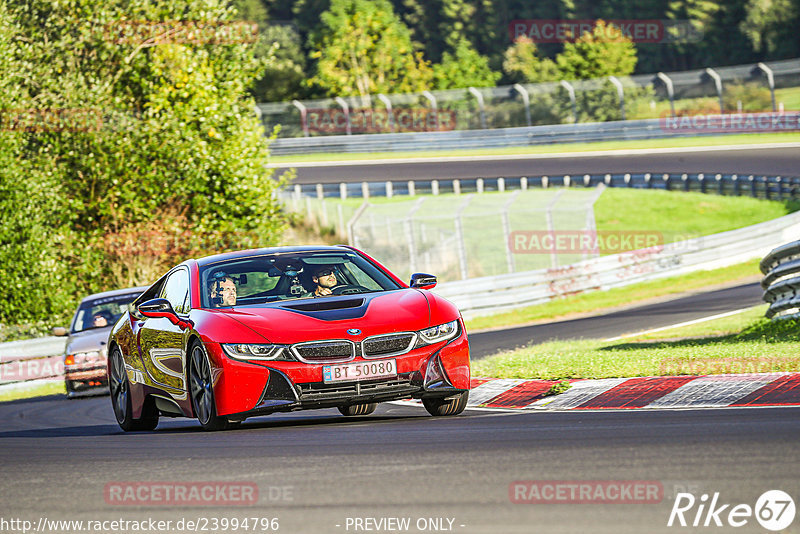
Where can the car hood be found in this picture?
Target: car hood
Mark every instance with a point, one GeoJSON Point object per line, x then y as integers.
{"type": "Point", "coordinates": [331, 317]}
{"type": "Point", "coordinates": [88, 340]}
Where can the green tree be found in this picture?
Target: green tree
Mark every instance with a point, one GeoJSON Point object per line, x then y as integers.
{"type": "Point", "coordinates": [604, 52]}
{"type": "Point", "coordinates": [363, 48]}
{"type": "Point", "coordinates": [522, 64]}
{"type": "Point", "coordinates": [285, 72]}
{"type": "Point", "coordinates": [147, 127]}
{"type": "Point", "coordinates": [464, 68]}
{"type": "Point", "coordinates": [771, 26]}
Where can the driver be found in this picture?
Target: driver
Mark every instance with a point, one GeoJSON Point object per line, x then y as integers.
{"type": "Point", "coordinates": [325, 280]}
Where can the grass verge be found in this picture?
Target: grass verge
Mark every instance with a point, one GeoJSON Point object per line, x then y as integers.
{"type": "Point", "coordinates": [39, 390]}
{"type": "Point", "coordinates": [621, 296]}
{"type": "Point", "coordinates": [743, 343]}
{"type": "Point", "coordinates": [681, 142]}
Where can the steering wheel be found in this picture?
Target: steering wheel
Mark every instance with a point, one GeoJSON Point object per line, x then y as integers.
{"type": "Point", "coordinates": [348, 289]}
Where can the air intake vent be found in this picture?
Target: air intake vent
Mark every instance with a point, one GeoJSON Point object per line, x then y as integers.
{"type": "Point", "coordinates": [325, 304]}
{"type": "Point", "coordinates": [325, 351]}
{"type": "Point", "coordinates": [388, 345]}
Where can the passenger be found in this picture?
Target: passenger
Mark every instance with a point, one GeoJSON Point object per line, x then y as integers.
{"type": "Point", "coordinates": [99, 320]}
{"type": "Point", "coordinates": [223, 291]}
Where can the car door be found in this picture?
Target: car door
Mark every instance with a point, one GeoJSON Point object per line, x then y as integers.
{"type": "Point", "coordinates": [162, 343]}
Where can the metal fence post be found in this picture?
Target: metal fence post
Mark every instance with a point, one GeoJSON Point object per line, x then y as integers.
{"type": "Point", "coordinates": [620, 94]}
{"type": "Point", "coordinates": [434, 107]}
{"type": "Point", "coordinates": [550, 227]}
{"type": "Point", "coordinates": [303, 116]}
{"type": "Point", "coordinates": [591, 224]}
{"type": "Point", "coordinates": [526, 100]}
{"type": "Point", "coordinates": [462, 249]}
{"type": "Point", "coordinates": [390, 114]}
{"type": "Point", "coordinates": [412, 244]}
{"type": "Point", "coordinates": [481, 107]}
{"type": "Point", "coordinates": [770, 81]}
{"type": "Point", "coordinates": [507, 231]}
{"type": "Point", "coordinates": [711, 73]}
{"type": "Point", "coordinates": [343, 190]}
{"type": "Point", "coordinates": [571, 91]}
{"type": "Point", "coordinates": [352, 238]}
{"type": "Point", "coordinates": [667, 81]}
{"type": "Point", "coordinates": [346, 109]}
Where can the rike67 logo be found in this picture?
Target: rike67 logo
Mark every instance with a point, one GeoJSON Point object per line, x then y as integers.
{"type": "Point", "coordinates": [774, 510]}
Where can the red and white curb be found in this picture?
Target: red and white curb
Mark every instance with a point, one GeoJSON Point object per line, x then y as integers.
{"type": "Point", "coordinates": [710, 391]}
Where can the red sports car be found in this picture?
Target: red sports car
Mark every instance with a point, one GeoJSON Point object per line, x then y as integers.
{"type": "Point", "coordinates": [248, 333]}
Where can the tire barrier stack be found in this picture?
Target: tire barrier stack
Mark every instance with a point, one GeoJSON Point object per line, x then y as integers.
{"type": "Point", "coordinates": [781, 283]}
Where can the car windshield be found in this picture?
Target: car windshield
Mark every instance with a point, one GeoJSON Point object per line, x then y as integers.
{"type": "Point", "coordinates": [289, 276]}
{"type": "Point", "coordinates": [101, 312]}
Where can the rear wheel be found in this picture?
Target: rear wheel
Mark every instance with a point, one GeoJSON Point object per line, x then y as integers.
{"type": "Point", "coordinates": [201, 389]}
{"type": "Point", "coordinates": [358, 409]}
{"type": "Point", "coordinates": [120, 390]}
{"type": "Point", "coordinates": [447, 406]}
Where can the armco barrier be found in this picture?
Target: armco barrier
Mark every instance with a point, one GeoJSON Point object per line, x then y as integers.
{"type": "Point", "coordinates": [781, 283]}
{"type": "Point", "coordinates": [479, 296]}
{"type": "Point", "coordinates": [30, 362]}
{"type": "Point", "coordinates": [463, 139]}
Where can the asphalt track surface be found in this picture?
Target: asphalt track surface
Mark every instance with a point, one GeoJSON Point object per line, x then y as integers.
{"type": "Point", "coordinates": [781, 161]}
{"type": "Point", "coordinates": [314, 470]}
{"type": "Point", "coordinates": [58, 455]}
{"type": "Point", "coordinates": [627, 321]}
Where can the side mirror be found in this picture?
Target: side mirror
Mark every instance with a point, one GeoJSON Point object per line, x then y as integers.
{"type": "Point", "coordinates": [155, 308]}
{"type": "Point", "coordinates": [59, 331]}
{"type": "Point", "coordinates": [423, 281]}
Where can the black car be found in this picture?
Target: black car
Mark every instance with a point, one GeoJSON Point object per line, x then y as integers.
{"type": "Point", "coordinates": [86, 353]}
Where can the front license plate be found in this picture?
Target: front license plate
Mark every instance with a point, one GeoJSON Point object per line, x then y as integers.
{"type": "Point", "coordinates": [359, 371]}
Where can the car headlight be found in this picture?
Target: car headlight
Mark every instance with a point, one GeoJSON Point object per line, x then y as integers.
{"type": "Point", "coordinates": [253, 351]}
{"type": "Point", "coordinates": [438, 333]}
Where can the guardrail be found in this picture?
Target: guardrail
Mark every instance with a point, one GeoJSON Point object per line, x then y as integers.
{"type": "Point", "coordinates": [30, 362]}
{"type": "Point", "coordinates": [781, 282]}
{"type": "Point", "coordinates": [480, 296]}
{"type": "Point", "coordinates": [771, 187]}
{"type": "Point", "coordinates": [496, 138]}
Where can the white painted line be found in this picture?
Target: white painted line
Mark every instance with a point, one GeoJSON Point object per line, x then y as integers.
{"type": "Point", "coordinates": [491, 389]}
{"type": "Point", "coordinates": [512, 157]}
{"type": "Point", "coordinates": [580, 392]}
{"type": "Point", "coordinates": [714, 391]}
{"type": "Point", "coordinates": [678, 325]}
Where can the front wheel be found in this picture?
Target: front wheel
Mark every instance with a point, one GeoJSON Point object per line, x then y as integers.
{"type": "Point", "coordinates": [453, 405]}
{"type": "Point", "coordinates": [120, 389]}
{"type": "Point", "coordinates": [201, 389]}
{"type": "Point", "coordinates": [358, 409]}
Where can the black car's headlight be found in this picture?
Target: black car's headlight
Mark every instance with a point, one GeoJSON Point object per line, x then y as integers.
{"type": "Point", "coordinates": [255, 351]}
{"type": "Point", "coordinates": [437, 333]}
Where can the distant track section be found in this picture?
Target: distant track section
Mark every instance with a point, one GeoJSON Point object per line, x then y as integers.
{"type": "Point", "coordinates": [741, 159]}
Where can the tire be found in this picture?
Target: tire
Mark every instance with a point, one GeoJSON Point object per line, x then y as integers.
{"type": "Point", "coordinates": [358, 409]}
{"type": "Point", "coordinates": [442, 407]}
{"type": "Point", "coordinates": [201, 391]}
{"type": "Point", "coordinates": [120, 389]}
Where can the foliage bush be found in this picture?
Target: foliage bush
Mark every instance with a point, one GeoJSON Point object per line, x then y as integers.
{"type": "Point", "coordinates": [153, 134]}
